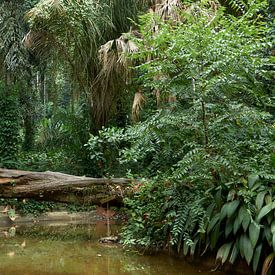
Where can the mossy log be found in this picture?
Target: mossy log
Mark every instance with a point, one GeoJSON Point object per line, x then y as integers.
{"type": "Point", "coordinates": [53, 186]}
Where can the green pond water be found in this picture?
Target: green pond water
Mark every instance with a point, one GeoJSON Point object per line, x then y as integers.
{"type": "Point", "coordinates": [75, 249]}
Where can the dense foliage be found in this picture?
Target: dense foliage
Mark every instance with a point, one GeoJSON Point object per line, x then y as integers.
{"type": "Point", "coordinates": [199, 143]}
{"type": "Point", "coordinates": [10, 127]}
{"type": "Point", "coordinates": [215, 144]}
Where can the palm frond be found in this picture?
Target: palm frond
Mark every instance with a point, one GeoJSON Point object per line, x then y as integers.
{"type": "Point", "coordinates": [137, 105]}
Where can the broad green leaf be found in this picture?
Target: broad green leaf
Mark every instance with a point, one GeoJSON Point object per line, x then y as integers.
{"type": "Point", "coordinates": [264, 211]}
{"type": "Point", "coordinates": [268, 199]}
{"type": "Point", "coordinates": [268, 234]}
{"type": "Point", "coordinates": [228, 227]}
{"type": "Point", "coordinates": [269, 218]}
{"type": "Point", "coordinates": [248, 249]}
{"type": "Point", "coordinates": [235, 252]}
{"type": "Point", "coordinates": [193, 247]}
{"type": "Point", "coordinates": [218, 198]}
{"type": "Point", "coordinates": [232, 207]}
{"type": "Point", "coordinates": [241, 245]}
{"type": "Point", "coordinates": [273, 242]}
{"type": "Point", "coordinates": [256, 257]}
{"type": "Point", "coordinates": [213, 222]}
{"type": "Point", "coordinates": [236, 226]}
{"type": "Point", "coordinates": [185, 248]}
{"type": "Point", "coordinates": [254, 233]}
{"type": "Point", "coordinates": [273, 227]}
{"type": "Point", "coordinates": [241, 214]}
{"type": "Point", "coordinates": [251, 180]}
{"type": "Point", "coordinates": [260, 200]}
{"type": "Point", "coordinates": [223, 252]}
{"type": "Point", "coordinates": [210, 209]}
{"type": "Point", "coordinates": [214, 236]}
{"type": "Point", "coordinates": [246, 220]}
{"type": "Point", "coordinates": [223, 212]}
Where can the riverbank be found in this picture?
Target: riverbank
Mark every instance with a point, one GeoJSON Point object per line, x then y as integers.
{"type": "Point", "coordinates": [41, 226]}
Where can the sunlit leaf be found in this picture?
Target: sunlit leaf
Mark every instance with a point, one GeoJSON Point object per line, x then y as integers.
{"type": "Point", "coordinates": [223, 252]}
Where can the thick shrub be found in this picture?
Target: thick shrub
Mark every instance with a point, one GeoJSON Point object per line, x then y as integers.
{"type": "Point", "coordinates": [9, 129]}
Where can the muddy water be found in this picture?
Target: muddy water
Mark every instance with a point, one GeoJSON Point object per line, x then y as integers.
{"type": "Point", "coordinates": [76, 250]}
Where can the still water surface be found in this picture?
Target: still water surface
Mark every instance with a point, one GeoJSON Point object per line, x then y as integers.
{"type": "Point", "coordinates": [75, 249]}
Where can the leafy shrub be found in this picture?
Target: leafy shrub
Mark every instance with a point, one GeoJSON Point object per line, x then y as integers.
{"type": "Point", "coordinates": [9, 127]}
{"type": "Point", "coordinates": [243, 223]}
{"type": "Point", "coordinates": [103, 151]}
{"type": "Point", "coordinates": [213, 153]}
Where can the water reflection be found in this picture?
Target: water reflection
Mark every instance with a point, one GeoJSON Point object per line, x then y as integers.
{"type": "Point", "coordinates": [75, 249]}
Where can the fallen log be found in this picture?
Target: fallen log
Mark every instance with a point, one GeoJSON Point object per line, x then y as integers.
{"type": "Point", "coordinates": [26, 184]}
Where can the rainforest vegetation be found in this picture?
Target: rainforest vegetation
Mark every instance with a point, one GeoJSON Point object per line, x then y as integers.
{"type": "Point", "coordinates": [175, 94]}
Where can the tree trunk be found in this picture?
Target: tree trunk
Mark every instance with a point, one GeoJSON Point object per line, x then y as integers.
{"type": "Point", "coordinates": [53, 185]}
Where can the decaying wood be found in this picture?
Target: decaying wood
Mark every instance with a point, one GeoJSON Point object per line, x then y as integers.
{"type": "Point", "coordinates": [26, 184]}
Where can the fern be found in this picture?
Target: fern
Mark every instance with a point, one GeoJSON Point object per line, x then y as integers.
{"type": "Point", "coordinates": [189, 218]}
{"type": "Point", "coordinates": [237, 5]}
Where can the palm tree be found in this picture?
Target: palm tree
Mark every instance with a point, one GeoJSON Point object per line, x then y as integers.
{"type": "Point", "coordinates": [73, 32]}
{"type": "Point", "coordinates": [86, 36]}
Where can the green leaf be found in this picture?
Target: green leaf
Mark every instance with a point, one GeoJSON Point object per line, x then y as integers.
{"type": "Point", "coordinates": [246, 220]}
{"type": "Point", "coordinates": [236, 226]}
{"type": "Point", "coordinates": [268, 234]}
{"type": "Point", "coordinates": [185, 248]}
{"type": "Point", "coordinates": [241, 214]}
{"type": "Point", "coordinates": [193, 247]}
{"type": "Point", "coordinates": [273, 242]}
{"type": "Point", "coordinates": [264, 211]}
{"type": "Point", "coordinates": [248, 249]}
{"type": "Point", "coordinates": [273, 227]}
{"type": "Point", "coordinates": [241, 245]}
{"type": "Point", "coordinates": [268, 199]}
{"type": "Point", "coordinates": [213, 222]}
{"type": "Point", "coordinates": [223, 252]}
{"type": "Point", "coordinates": [251, 180]}
{"type": "Point", "coordinates": [254, 233]}
{"type": "Point", "coordinates": [256, 257]}
{"type": "Point", "coordinates": [214, 236]}
{"type": "Point", "coordinates": [11, 214]}
{"type": "Point", "coordinates": [232, 207]}
{"type": "Point", "coordinates": [228, 227]}
{"type": "Point", "coordinates": [218, 198]}
{"type": "Point", "coordinates": [235, 252]}
{"type": "Point", "coordinates": [223, 212]}
{"type": "Point", "coordinates": [210, 209]}
{"type": "Point", "coordinates": [269, 218]}
{"type": "Point", "coordinates": [260, 200]}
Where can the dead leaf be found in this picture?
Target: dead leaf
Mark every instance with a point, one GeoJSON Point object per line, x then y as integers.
{"type": "Point", "coordinates": [11, 254]}
{"type": "Point", "coordinates": [6, 209]}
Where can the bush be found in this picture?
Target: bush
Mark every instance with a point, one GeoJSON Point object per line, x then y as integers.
{"type": "Point", "coordinates": [9, 128]}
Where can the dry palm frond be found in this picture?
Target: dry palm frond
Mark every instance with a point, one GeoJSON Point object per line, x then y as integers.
{"type": "Point", "coordinates": [120, 47]}
{"type": "Point", "coordinates": [39, 42]}
{"type": "Point", "coordinates": [114, 74]}
{"type": "Point", "coordinates": [168, 9]}
{"type": "Point", "coordinates": [74, 32]}
{"type": "Point", "coordinates": [158, 99]}
{"type": "Point", "coordinates": [137, 105]}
